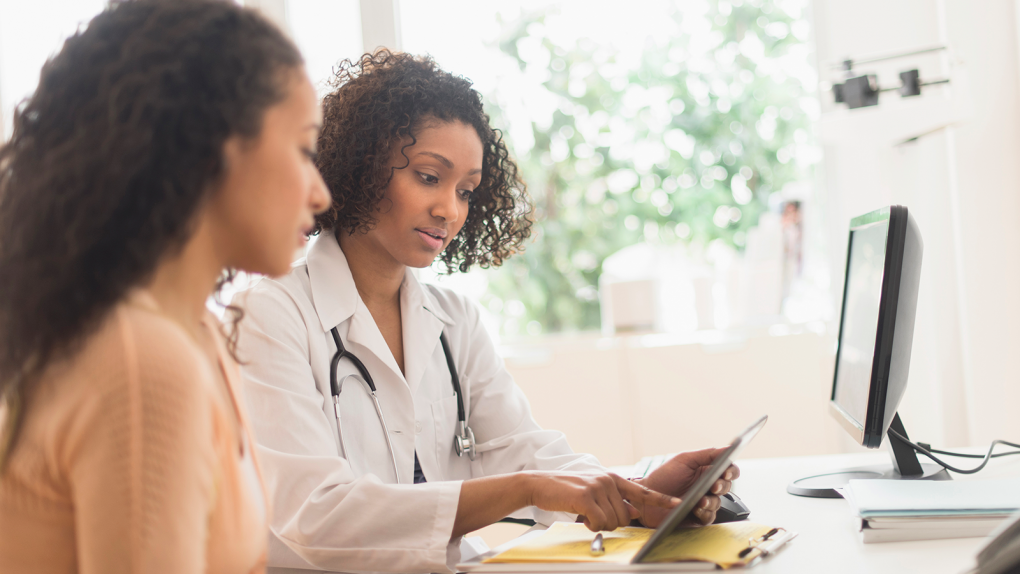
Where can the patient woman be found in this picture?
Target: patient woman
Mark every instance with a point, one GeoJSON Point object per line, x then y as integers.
{"type": "Point", "coordinates": [168, 141]}
{"type": "Point", "coordinates": [416, 174]}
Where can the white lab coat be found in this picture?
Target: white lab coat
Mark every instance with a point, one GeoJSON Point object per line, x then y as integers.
{"type": "Point", "coordinates": [347, 511]}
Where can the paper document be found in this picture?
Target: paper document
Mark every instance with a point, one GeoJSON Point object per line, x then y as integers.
{"type": "Point", "coordinates": [571, 542]}
{"type": "Point", "coordinates": [722, 544]}
{"type": "Point", "coordinates": [931, 498]}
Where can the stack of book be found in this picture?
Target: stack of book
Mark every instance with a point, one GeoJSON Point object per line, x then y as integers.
{"type": "Point", "coordinates": [896, 510]}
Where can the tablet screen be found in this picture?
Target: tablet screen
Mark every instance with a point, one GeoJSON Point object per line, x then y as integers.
{"type": "Point", "coordinates": [700, 488]}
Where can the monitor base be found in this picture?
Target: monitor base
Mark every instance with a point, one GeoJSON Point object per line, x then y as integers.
{"type": "Point", "coordinates": [904, 465]}
{"type": "Point", "coordinates": [825, 485]}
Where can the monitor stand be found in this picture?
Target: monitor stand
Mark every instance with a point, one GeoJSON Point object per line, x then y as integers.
{"type": "Point", "coordinates": [905, 466]}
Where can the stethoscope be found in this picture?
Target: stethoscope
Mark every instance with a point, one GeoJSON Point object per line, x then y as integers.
{"type": "Point", "coordinates": [463, 442]}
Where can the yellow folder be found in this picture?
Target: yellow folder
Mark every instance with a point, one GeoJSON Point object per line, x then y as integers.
{"type": "Point", "coordinates": [727, 545]}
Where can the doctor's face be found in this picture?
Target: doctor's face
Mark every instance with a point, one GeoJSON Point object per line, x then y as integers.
{"type": "Point", "coordinates": [425, 203]}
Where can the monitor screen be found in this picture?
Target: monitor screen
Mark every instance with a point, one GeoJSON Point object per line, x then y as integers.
{"type": "Point", "coordinates": [876, 331]}
{"type": "Point", "coordinates": [861, 302]}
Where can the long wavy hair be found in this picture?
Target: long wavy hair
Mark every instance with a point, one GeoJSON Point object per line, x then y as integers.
{"type": "Point", "coordinates": [376, 103]}
{"type": "Point", "coordinates": [110, 161]}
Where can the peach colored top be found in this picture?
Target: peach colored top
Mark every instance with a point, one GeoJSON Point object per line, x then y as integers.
{"type": "Point", "coordinates": [132, 458]}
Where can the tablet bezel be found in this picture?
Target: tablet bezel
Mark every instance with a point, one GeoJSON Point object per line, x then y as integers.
{"type": "Point", "coordinates": [700, 489]}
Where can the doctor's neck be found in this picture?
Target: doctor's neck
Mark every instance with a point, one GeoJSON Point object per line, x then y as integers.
{"type": "Point", "coordinates": [377, 275]}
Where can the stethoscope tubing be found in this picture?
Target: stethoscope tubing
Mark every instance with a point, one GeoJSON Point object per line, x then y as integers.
{"type": "Point", "coordinates": [378, 412]}
{"type": "Point", "coordinates": [464, 441]}
{"type": "Point", "coordinates": [461, 415]}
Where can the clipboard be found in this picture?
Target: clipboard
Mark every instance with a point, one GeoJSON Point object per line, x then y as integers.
{"type": "Point", "coordinates": [571, 536]}
{"type": "Point", "coordinates": [644, 559]}
{"type": "Point", "coordinates": [478, 564]}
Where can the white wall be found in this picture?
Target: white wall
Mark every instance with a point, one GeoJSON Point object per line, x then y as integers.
{"type": "Point", "coordinates": [623, 398]}
{"type": "Point", "coordinates": [958, 181]}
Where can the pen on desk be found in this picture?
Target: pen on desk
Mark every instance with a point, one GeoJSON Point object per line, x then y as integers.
{"type": "Point", "coordinates": [767, 538]}
{"type": "Point", "coordinates": [597, 548]}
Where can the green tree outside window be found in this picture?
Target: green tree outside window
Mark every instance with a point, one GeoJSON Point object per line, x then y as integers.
{"type": "Point", "coordinates": [677, 148]}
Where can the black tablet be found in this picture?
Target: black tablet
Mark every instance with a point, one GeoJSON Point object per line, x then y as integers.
{"type": "Point", "coordinates": [700, 489]}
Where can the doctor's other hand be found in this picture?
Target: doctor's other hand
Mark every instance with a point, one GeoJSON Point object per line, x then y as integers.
{"type": "Point", "coordinates": [678, 474]}
{"type": "Point", "coordinates": [603, 501]}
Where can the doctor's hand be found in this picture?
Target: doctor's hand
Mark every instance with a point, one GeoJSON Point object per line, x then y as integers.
{"type": "Point", "coordinates": [603, 501]}
{"type": "Point", "coordinates": [678, 474]}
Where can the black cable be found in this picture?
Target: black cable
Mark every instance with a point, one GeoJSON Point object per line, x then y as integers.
{"type": "Point", "coordinates": [962, 455]}
{"type": "Point", "coordinates": [928, 453]}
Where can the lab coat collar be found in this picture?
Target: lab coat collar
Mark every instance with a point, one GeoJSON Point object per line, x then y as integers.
{"type": "Point", "coordinates": [333, 292]}
{"type": "Point", "coordinates": [417, 295]}
{"type": "Point", "coordinates": [336, 300]}
{"type": "Point", "coordinates": [423, 322]}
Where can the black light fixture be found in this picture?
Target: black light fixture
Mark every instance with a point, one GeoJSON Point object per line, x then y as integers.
{"type": "Point", "coordinates": [862, 90]}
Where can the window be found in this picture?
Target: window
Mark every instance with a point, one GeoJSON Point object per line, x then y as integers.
{"type": "Point", "coordinates": [666, 141]}
{"type": "Point", "coordinates": [31, 32]}
{"type": "Point", "coordinates": [326, 31]}
{"type": "Point", "coordinates": [675, 134]}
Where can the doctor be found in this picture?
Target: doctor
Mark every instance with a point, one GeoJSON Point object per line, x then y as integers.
{"type": "Point", "coordinates": [386, 422]}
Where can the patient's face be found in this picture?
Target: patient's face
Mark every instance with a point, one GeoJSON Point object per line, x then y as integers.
{"type": "Point", "coordinates": [271, 189]}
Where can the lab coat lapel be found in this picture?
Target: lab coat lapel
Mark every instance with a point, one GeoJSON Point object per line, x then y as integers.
{"type": "Point", "coordinates": [336, 300]}
{"type": "Point", "coordinates": [423, 322]}
{"type": "Point", "coordinates": [365, 333]}
{"type": "Point", "coordinates": [333, 292]}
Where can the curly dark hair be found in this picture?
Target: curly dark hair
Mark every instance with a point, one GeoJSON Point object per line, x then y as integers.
{"type": "Point", "coordinates": [112, 157]}
{"type": "Point", "coordinates": [383, 98]}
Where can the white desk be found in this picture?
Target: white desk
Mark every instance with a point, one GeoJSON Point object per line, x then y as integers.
{"type": "Point", "coordinates": [828, 540]}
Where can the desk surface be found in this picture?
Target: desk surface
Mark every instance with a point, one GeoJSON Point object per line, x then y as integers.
{"type": "Point", "coordinates": [828, 539]}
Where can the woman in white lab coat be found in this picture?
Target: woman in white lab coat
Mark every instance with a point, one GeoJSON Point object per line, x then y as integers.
{"type": "Point", "coordinates": [416, 173]}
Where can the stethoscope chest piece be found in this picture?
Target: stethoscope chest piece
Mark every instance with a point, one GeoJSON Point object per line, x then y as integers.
{"type": "Point", "coordinates": [464, 441]}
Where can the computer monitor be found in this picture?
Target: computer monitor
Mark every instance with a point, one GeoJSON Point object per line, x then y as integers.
{"type": "Point", "coordinates": [876, 329]}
